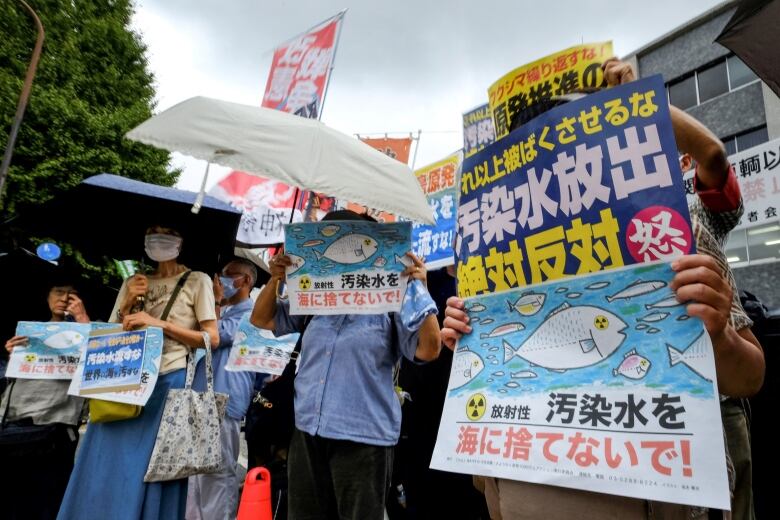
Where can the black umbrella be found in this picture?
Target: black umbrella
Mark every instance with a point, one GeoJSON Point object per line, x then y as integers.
{"type": "Point", "coordinates": [753, 34]}
{"type": "Point", "coordinates": [107, 216]}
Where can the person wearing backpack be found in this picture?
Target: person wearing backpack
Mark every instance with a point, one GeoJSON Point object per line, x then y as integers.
{"type": "Point", "coordinates": [347, 414]}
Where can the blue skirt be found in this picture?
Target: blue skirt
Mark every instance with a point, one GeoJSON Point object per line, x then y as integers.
{"type": "Point", "coordinates": [108, 478]}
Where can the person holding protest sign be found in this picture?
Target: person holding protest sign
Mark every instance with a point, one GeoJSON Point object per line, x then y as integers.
{"type": "Point", "coordinates": [215, 496]}
{"type": "Point", "coordinates": [347, 414]}
{"type": "Point", "coordinates": [39, 431]}
{"type": "Point", "coordinates": [703, 279]}
{"type": "Point", "coordinates": [125, 446]}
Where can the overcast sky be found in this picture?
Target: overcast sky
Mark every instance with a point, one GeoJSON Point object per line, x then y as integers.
{"type": "Point", "coordinates": [401, 65]}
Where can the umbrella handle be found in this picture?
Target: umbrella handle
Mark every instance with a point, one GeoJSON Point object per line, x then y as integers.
{"type": "Point", "coordinates": [202, 193]}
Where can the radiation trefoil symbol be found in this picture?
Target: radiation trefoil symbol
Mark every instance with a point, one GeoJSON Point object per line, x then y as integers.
{"type": "Point", "coordinates": [601, 322]}
{"type": "Point", "coordinates": [304, 283]}
{"type": "Point", "coordinates": [475, 407]}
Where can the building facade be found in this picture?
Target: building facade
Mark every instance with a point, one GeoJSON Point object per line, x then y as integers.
{"type": "Point", "coordinates": [712, 84]}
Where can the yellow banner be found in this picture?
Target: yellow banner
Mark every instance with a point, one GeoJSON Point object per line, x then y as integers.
{"type": "Point", "coordinates": [570, 70]}
{"type": "Point", "coordinates": [439, 175]}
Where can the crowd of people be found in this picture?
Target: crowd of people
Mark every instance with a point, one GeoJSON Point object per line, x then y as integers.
{"type": "Point", "coordinates": [348, 449]}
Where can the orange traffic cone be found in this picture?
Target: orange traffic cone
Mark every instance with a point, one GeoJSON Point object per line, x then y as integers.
{"type": "Point", "coordinates": [256, 497]}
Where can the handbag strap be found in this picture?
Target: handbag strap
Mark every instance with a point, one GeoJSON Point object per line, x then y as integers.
{"type": "Point", "coordinates": [174, 295]}
{"type": "Point", "coordinates": [209, 369]}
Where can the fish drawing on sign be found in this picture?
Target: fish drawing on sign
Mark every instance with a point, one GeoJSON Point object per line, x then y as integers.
{"type": "Point", "coordinates": [682, 317]}
{"type": "Point", "coordinates": [64, 339]}
{"type": "Point", "coordinates": [641, 326]}
{"type": "Point", "coordinates": [351, 248]}
{"type": "Point", "coordinates": [523, 374]}
{"type": "Point", "coordinates": [561, 289]}
{"type": "Point", "coordinates": [671, 301]}
{"type": "Point", "coordinates": [573, 295]}
{"type": "Point", "coordinates": [653, 317]}
{"type": "Point", "coordinates": [527, 304]}
{"type": "Point", "coordinates": [477, 307]}
{"type": "Point", "coordinates": [597, 285]}
{"type": "Point", "coordinates": [379, 262]}
{"type": "Point", "coordinates": [297, 263]}
{"type": "Point", "coordinates": [638, 288]}
{"type": "Point", "coordinates": [653, 330]}
{"type": "Point", "coordinates": [500, 373]}
{"type": "Point", "coordinates": [570, 338]}
{"type": "Point", "coordinates": [465, 367]}
{"type": "Point", "coordinates": [312, 243]}
{"type": "Point", "coordinates": [330, 230]}
{"type": "Point", "coordinates": [633, 366]}
{"type": "Point", "coordinates": [403, 260]}
{"type": "Point", "coordinates": [506, 328]}
{"type": "Point", "coordinates": [695, 357]}
{"type": "Point", "coordinates": [487, 321]}
{"type": "Point", "coordinates": [512, 384]}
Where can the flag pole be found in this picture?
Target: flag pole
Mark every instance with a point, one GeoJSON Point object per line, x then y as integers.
{"type": "Point", "coordinates": [340, 17]}
{"type": "Point", "coordinates": [416, 147]}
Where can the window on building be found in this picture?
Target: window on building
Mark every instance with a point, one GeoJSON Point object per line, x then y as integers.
{"type": "Point", "coordinates": [713, 81]}
{"type": "Point", "coordinates": [683, 93]}
{"type": "Point", "coordinates": [752, 138]}
{"type": "Point", "coordinates": [739, 73]}
{"type": "Point", "coordinates": [731, 145]}
{"type": "Point", "coordinates": [760, 243]}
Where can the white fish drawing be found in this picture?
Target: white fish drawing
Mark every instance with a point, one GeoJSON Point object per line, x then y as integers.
{"type": "Point", "coordinates": [297, 228]}
{"type": "Point", "coordinates": [500, 373]}
{"type": "Point", "coordinates": [502, 390]}
{"type": "Point", "coordinates": [465, 367]}
{"type": "Point", "coordinates": [561, 289]}
{"type": "Point", "coordinates": [490, 380]}
{"type": "Point", "coordinates": [670, 301]}
{"type": "Point", "coordinates": [312, 243]}
{"type": "Point", "coordinates": [492, 356]}
{"type": "Point", "coordinates": [297, 263]}
{"type": "Point", "coordinates": [477, 307]}
{"type": "Point", "coordinates": [512, 384]}
{"type": "Point", "coordinates": [634, 366]}
{"type": "Point", "coordinates": [379, 262]}
{"type": "Point", "coordinates": [641, 326]}
{"type": "Point", "coordinates": [64, 339]}
{"type": "Point", "coordinates": [528, 304]}
{"type": "Point", "coordinates": [696, 357]}
{"type": "Point", "coordinates": [597, 285]}
{"type": "Point", "coordinates": [573, 337]}
{"type": "Point", "coordinates": [351, 248]}
{"type": "Point", "coordinates": [653, 317]}
{"type": "Point", "coordinates": [487, 321]}
{"type": "Point", "coordinates": [403, 260]}
{"type": "Point", "coordinates": [653, 330]}
{"type": "Point", "coordinates": [573, 295]}
{"type": "Point", "coordinates": [330, 230]}
{"type": "Point", "coordinates": [638, 288]}
{"type": "Point", "coordinates": [493, 349]}
{"type": "Point", "coordinates": [506, 328]}
{"type": "Point", "coordinates": [523, 374]}
{"type": "Point", "coordinates": [682, 317]}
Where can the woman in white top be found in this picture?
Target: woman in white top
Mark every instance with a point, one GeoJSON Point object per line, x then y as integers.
{"type": "Point", "coordinates": [107, 481]}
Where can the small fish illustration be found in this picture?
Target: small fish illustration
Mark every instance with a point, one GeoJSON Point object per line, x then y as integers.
{"type": "Point", "coordinates": [379, 262]}
{"type": "Point", "coordinates": [696, 357]}
{"type": "Point", "coordinates": [561, 289]}
{"type": "Point", "coordinates": [633, 366]}
{"type": "Point", "coordinates": [653, 330]}
{"type": "Point", "coordinates": [512, 384]}
{"type": "Point", "coordinates": [492, 356]}
{"type": "Point", "coordinates": [330, 230]}
{"type": "Point", "coordinates": [506, 328]}
{"type": "Point", "coordinates": [528, 304]}
{"type": "Point", "coordinates": [670, 301]}
{"type": "Point", "coordinates": [638, 288]}
{"type": "Point", "coordinates": [502, 390]}
{"type": "Point", "coordinates": [64, 339]}
{"type": "Point", "coordinates": [500, 373]}
{"type": "Point", "coordinates": [403, 260]}
{"type": "Point", "coordinates": [597, 285]}
{"type": "Point", "coordinates": [351, 248]}
{"type": "Point", "coordinates": [493, 349]}
{"type": "Point", "coordinates": [641, 326]}
{"type": "Point", "coordinates": [653, 317]}
{"type": "Point", "coordinates": [523, 374]}
{"type": "Point", "coordinates": [299, 237]}
{"type": "Point", "coordinates": [682, 317]}
{"type": "Point", "coordinates": [465, 366]}
{"type": "Point", "coordinates": [297, 228]}
{"type": "Point", "coordinates": [490, 380]}
{"type": "Point", "coordinates": [494, 362]}
{"type": "Point", "coordinates": [477, 307]}
{"type": "Point", "coordinates": [487, 321]}
{"type": "Point", "coordinates": [312, 243]}
{"type": "Point", "coordinates": [574, 295]}
{"type": "Point", "coordinates": [297, 263]}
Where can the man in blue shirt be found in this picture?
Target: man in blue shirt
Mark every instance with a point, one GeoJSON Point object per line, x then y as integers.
{"type": "Point", "coordinates": [215, 496]}
{"type": "Point", "coordinates": [347, 414]}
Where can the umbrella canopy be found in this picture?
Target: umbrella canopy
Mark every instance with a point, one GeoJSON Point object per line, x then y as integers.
{"type": "Point", "coordinates": [297, 151]}
{"type": "Point", "coordinates": [753, 34]}
{"type": "Point", "coordinates": [107, 215]}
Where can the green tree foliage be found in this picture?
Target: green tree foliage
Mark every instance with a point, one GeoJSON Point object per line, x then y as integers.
{"type": "Point", "coordinates": [92, 86]}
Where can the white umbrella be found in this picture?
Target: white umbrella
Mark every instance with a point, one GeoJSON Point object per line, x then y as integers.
{"type": "Point", "coordinates": [294, 150]}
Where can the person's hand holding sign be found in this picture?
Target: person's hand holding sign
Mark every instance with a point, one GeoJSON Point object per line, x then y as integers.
{"type": "Point", "coordinates": [456, 322]}
{"type": "Point", "coordinates": [417, 270]}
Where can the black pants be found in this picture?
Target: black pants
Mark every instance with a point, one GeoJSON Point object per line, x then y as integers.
{"type": "Point", "coordinates": [36, 473]}
{"type": "Point", "coordinates": [333, 479]}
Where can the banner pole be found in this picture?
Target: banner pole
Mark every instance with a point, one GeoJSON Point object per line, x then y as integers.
{"type": "Point", "coordinates": [340, 18]}
{"type": "Point", "coordinates": [416, 147]}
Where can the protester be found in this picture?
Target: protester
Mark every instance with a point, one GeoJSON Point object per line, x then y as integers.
{"type": "Point", "coordinates": [39, 432]}
{"type": "Point", "coordinates": [107, 481]}
{"type": "Point", "coordinates": [215, 496]}
{"type": "Point", "coordinates": [704, 278]}
{"type": "Point", "coordinates": [347, 414]}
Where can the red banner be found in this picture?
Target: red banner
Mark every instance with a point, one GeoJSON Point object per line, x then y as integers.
{"type": "Point", "coordinates": [299, 71]}
{"type": "Point", "coordinates": [398, 149]}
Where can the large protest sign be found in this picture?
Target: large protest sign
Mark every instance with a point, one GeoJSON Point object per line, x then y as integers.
{"type": "Point", "coordinates": [758, 174]}
{"type": "Point", "coordinates": [478, 131]}
{"type": "Point", "coordinates": [52, 351]}
{"type": "Point", "coordinates": [590, 185]}
{"type": "Point", "coordinates": [258, 350]}
{"type": "Point", "coordinates": [575, 376]}
{"type": "Point", "coordinates": [346, 267]}
{"type": "Point", "coordinates": [300, 69]}
{"type": "Point", "coordinates": [434, 243]}
{"type": "Point", "coordinates": [525, 87]}
{"type": "Point", "coordinates": [600, 382]}
{"type": "Point", "coordinates": [111, 340]}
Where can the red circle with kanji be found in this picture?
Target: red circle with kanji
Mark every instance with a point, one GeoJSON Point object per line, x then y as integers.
{"type": "Point", "coordinates": [658, 233]}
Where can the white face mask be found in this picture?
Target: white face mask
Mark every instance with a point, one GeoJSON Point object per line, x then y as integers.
{"type": "Point", "coordinates": [161, 248]}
